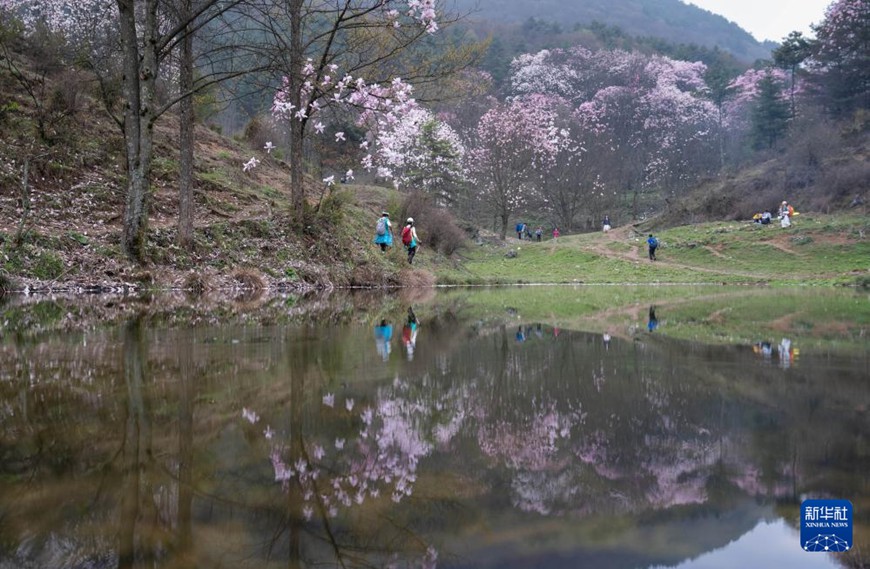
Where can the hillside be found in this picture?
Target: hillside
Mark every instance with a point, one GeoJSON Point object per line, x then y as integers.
{"type": "Point", "coordinates": [671, 20]}
{"type": "Point", "coordinates": [62, 231]}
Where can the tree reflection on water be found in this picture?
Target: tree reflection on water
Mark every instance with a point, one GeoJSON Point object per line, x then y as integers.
{"type": "Point", "coordinates": [260, 446]}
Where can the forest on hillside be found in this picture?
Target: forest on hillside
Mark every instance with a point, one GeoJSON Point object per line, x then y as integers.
{"type": "Point", "coordinates": [398, 93]}
{"type": "Point", "coordinates": [671, 21]}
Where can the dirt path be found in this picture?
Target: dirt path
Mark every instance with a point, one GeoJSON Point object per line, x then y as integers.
{"type": "Point", "coordinates": [627, 233]}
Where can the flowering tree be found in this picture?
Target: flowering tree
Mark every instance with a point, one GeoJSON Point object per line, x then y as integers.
{"type": "Point", "coordinates": [841, 55]}
{"type": "Point", "coordinates": [646, 114]}
{"type": "Point", "coordinates": [341, 55]}
{"type": "Point", "coordinates": [421, 151]}
{"type": "Point", "coordinates": [515, 143]}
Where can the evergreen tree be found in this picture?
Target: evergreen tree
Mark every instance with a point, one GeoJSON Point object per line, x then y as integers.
{"type": "Point", "coordinates": [795, 49]}
{"type": "Point", "coordinates": [770, 114]}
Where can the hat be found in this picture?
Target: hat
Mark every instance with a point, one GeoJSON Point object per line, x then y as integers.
{"type": "Point", "coordinates": [410, 220]}
{"type": "Point", "coordinates": [384, 213]}
{"type": "Point", "coordinates": [784, 202]}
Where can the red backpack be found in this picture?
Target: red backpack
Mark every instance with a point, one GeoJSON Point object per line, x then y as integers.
{"type": "Point", "coordinates": [406, 235]}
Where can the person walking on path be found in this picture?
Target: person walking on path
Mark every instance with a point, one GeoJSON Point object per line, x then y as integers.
{"type": "Point", "coordinates": [539, 232]}
{"type": "Point", "coordinates": [410, 239]}
{"type": "Point", "coordinates": [606, 223]}
{"type": "Point", "coordinates": [556, 233]}
{"type": "Point", "coordinates": [384, 232]}
{"type": "Point", "coordinates": [653, 245]}
{"type": "Point", "coordinates": [520, 228]}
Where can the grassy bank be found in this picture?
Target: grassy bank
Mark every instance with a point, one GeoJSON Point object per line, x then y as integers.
{"type": "Point", "coordinates": [817, 250]}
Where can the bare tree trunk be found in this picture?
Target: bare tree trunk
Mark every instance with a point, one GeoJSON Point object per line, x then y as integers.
{"type": "Point", "coordinates": [297, 127]}
{"type": "Point", "coordinates": [139, 113]}
{"type": "Point", "coordinates": [186, 135]}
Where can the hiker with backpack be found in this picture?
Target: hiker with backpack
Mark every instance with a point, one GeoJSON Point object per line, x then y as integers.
{"type": "Point", "coordinates": [653, 245]}
{"type": "Point", "coordinates": [410, 239]}
{"type": "Point", "coordinates": [384, 232]}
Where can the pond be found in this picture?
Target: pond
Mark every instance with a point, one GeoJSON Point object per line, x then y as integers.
{"type": "Point", "coordinates": [533, 427]}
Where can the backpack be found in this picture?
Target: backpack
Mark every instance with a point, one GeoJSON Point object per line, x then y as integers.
{"type": "Point", "coordinates": [406, 235]}
{"type": "Point", "coordinates": [382, 226]}
{"type": "Point", "coordinates": [790, 211]}
{"type": "Point", "coordinates": [653, 242]}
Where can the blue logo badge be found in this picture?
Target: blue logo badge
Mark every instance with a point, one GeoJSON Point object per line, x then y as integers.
{"type": "Point", "coordinates": [826, 525]}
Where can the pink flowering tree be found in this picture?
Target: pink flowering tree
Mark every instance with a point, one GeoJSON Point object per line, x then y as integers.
{"type": "Point", "coordinates": [374, 459]}
{"type": "Point", "coordinates": [841, 56]}
{"type": "Point", "coordinates": [515, 143]}
{"type": "Point", "coordinates": [340, 57]}
{"type": "Point", "coordinates": [644, 117]}
{"type": "Point", "coordinates": [419, 151]}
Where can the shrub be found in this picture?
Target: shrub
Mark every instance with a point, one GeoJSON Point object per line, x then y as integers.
{"type": "Point", "coordinates": [6, 284]}
{"type": "Point", "coordinates": [47, 266]}
{"type": "Point", "coordinates": [248, 279]}
{"type": "Point", "coordinates": [195, 284]}
{"type": "Point", "coordinates": [261, 130]}
{"type": "Point", "coordinates": [437, 227]}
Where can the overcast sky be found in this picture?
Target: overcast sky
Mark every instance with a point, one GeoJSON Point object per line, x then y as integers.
{"type": "Point", "coordinates": [768, 19]}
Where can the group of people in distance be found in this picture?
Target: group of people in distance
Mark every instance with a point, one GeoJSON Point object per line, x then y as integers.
{"type": "Point", "coordinates": [524, 231]}
{"type": "Point", "coordinates": [786, 213]}
{"type": "Point", "coordinates": [384, 235]}
{"type": "Point", "coordinates": [410, 240]}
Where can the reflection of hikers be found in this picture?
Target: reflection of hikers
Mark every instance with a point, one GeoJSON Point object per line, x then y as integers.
{"type": "Point", "coordinates": [521, 337]}
{"type": "Point", "coordinates": [653, 321]}
{"type": "Point", "coordinates": [409, 339]}
{"type": "Point", "coordinates": [784, 349]}
{"type": "Point", "coordinates": [653, 245]}
{"type": "Point", "coordinates": [606, 224]}
{"type": "Point", "coordinates": [410, 239]}
{"type": "Point", "coordinates": [383, 335]}
{"type": "Point", "coordinates": [606, 338]}
{"type": "Point", "coordinates": [412, 318]}
{"type": "Point", "coordinates": [384, 231]}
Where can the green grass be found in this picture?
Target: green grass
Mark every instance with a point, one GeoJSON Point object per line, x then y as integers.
{"type": "Point", "coordinates": [825, 318]}
{"type": "Point", "coordinates": [817, 249]}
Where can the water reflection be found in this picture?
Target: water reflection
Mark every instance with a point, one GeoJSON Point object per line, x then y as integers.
{"type": "Point", "coordinates": [383, 339]}
{"type": "Point", "coordinates": [260, 446]}
{"type": "Point", "coordinates": [652, 321]}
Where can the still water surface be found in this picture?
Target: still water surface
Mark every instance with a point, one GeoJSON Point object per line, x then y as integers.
{"type": "Point", "coordinates": [456, 442]}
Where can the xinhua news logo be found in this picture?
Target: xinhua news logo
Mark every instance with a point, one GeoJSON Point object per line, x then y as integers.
{"type": "Point", "coordinates": [826, 525]}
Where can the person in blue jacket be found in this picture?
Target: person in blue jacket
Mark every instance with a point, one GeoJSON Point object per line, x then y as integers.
{"type": "Point", "coordinates": [653, 245]}
{"type": "Point", "coordinates": [384, 232]}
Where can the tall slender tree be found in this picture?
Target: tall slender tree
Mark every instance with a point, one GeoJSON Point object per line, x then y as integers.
{"type": "Point", "coordinates": [793, 51]}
